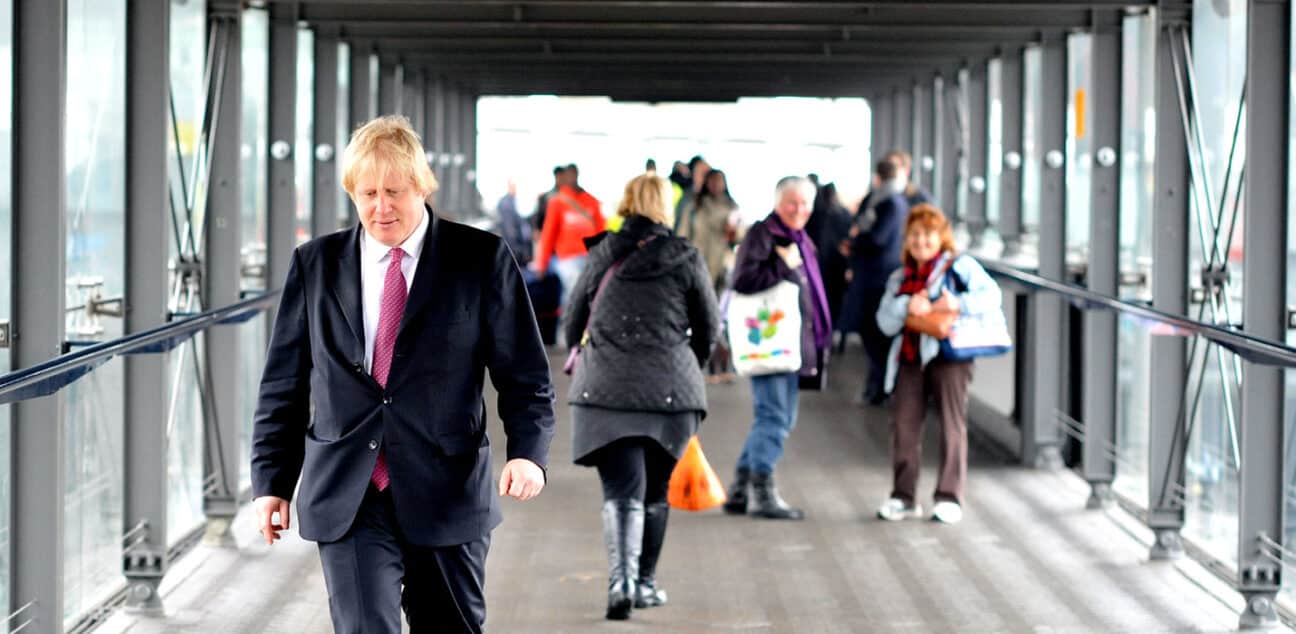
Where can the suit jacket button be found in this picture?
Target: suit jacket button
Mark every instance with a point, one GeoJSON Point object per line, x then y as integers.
{"type": "Point", "coordinates": [670, 399]}
{"type": "Point", "coordinates": [373, 444]}
{"type": "Point", "coordinates": [584, 394]}
{"type": "Point", "coordinates": [386, 400]}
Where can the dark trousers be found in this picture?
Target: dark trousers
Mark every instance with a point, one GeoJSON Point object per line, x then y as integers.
{"type": "Point", "coordinates": [877, 346]}
{"type": "Point", "coordinates": [947, 382]}
{"type": "Point", "coordinates": [635, 468]}
{"type": "Point", "coordinates": [444, 587]}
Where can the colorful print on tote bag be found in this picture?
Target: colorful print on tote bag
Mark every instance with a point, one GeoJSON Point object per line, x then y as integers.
{"type": "Point", "coordinates": [765, 330]}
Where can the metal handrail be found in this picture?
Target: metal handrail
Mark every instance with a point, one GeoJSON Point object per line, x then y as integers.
{"type": "Point", "coordinates": [1253, 348]}
{"type": "Point", "coordinates": [50, 376]}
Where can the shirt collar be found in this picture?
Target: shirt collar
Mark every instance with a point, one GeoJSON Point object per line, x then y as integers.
{"type": "Point", "coordinates": [375, 251]}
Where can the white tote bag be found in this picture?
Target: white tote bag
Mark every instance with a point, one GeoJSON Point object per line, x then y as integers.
{"type": "Point", "coordinates": [765, 330]}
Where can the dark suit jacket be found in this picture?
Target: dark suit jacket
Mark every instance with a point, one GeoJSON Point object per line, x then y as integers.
{"type": "Point", "coordinates": [467, 312]}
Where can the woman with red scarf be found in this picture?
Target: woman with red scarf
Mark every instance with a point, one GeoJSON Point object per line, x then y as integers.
{"type": "Point", "coordinates": [934, 278]}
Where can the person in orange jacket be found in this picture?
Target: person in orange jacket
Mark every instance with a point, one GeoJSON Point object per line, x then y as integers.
{"type": "Point", "coordinates": [572, 215]}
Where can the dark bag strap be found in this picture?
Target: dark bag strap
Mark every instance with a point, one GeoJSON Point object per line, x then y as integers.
{"type": "Point", "coordinates": [607, 277]}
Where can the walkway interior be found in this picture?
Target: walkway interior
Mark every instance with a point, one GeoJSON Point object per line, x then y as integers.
{"type": "Point", "coordinates": [1028, 557]}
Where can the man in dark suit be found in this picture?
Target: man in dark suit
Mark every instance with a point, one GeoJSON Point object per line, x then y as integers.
{"type": "Point", "coordinates": [388, 329]}
{"type": "Point", "coordinates": [874, 248]}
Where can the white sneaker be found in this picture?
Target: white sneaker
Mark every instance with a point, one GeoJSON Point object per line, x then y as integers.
{"type": "Point", "coordinates": [895, 509]}
{"type": "Point", "coordinates": [947, 512]}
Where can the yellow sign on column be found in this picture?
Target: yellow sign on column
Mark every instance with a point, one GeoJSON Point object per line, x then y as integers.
{"type": "Point", "coordinates": [1080, 113]}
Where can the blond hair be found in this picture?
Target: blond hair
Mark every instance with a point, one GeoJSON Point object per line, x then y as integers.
{"type": "Point", "coordinates": [387, 143]}
{"type": "Point", "coordinates": [647, 196]}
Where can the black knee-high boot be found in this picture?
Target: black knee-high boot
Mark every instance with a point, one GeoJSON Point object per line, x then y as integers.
{"type": "Point", "coordinates": [647, 594]}
{"type": "Point", "coordinates": [623, 526]}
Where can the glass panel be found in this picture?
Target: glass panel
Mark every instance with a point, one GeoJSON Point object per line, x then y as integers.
{"type": "Point", "coordinates": [343, 128]}
{"type": "Point", "coordinates": [1289, 407]}
{"type": "Point", "coordinates": [6, 142]}
{"type": "Point", "coordinates": [185, 417]}
{"type": "Point", "coordinates": [1219, 55]}
{"type": "Point", "coordinates": [1032, 152]}
{"type": "Point", "coordinates": [185, 449]}
{"type": "Point", "coordinates": [256, 101]}
{"type": "Point", "coordinates": [96, 201]}
{"type": "Point", "coordinates": [1079, 148]}
{"type": "Point", "coordinates": [254, 338]}
{"type": "Point", "coordinates": [1134, 347]}
{"type": "Point", "coordinates": [304, 155]}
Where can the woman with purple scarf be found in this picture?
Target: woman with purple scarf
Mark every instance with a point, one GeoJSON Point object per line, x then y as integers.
{"type": "Point", "coordinates": [778, 249]}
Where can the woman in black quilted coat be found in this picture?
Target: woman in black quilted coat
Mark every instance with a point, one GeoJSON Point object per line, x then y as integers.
{"type": "Point", "coordinates": [637, 393]}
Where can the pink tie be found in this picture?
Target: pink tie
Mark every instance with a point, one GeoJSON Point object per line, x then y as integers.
{"type": "Point", "coordinates": [389, 318]}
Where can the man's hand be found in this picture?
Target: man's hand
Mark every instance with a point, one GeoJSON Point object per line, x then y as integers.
{"type": "Point", "coordinates": [791, 255]}
{"type": "Point", "coordinates": [266, 507]}
{"type": "Point", "coordinates": [522, 479]}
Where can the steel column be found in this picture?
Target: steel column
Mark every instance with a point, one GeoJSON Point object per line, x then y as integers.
{"type": "Point", "coordinates": [362, 104]}
{"type": "Point", "coordinates": [39, 269]}
{"type": "Point", "coordinates": [951, 147]}
{"type": "Point", "coordinates": [1041, 440]}
{"type": "Point", "coordinates": [435, 142]}
{"type": "Point", "coordinates": [1099, 401]}
{"type": "Point", "coordinates": [222, 285]}
{"type": "Point", "coordinates": [453, 131]}
{"type": "Point", "coordinates": [880, 127]}
{"type": "Point", "coordinates": [938, 146]}
{"type": "Point", "coordinates": [327, 146]}
{"type": "Point", "coordinates": [472, 200]}
{"type": "Point", "coordinates": [282, 196]}
{"type": "Point", "coordinates": [1166, 442]}
{"type": "Point", "coordinates": [1261, 482]}
{"type": "Point", "coordinates": [975, 150]}
{"type": "Point", "coordinates": [414, 96]}
{"type": "Point", "coordinates": [144, 556]}
{"type": "Point", "coordinates": [922, 135]}
{"type": "Point", "coordinates": [389, 86]}
{"type": "Point", "coordinates": [902, 122]}
{"type": "Point", "coordinates": [1010, 180]}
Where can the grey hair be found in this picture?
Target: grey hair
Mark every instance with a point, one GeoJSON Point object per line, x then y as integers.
{"type": "Point", "coordinates": [806, 186]}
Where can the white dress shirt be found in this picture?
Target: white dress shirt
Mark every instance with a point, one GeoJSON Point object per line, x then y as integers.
{"type": "Point", "coordinates": [374, 259]}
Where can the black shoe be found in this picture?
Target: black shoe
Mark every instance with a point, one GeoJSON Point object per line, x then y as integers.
{"type": "Point", "coordinates": [647, 594]}
{"type": "Point", "coordinates": [623, 525]}
{"type": "Point", "coordinates": [736, 496]}
{"type": "Point", "coordinates": [768, 502]}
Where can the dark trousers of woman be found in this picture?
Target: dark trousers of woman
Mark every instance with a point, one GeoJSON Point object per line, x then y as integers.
{"type": "Point", "coordinates": [635, 473]}
{"type": "Point", "coordinates": [947, 383]}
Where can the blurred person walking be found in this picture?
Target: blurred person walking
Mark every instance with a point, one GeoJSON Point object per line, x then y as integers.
{"type": "Point", "coordinates": [916, 367]}
{"type": "Point", "coordinates": [572, 215]}
{"type": "Point", "coordinates": [829, 224]}
{"type": "Point", "coordinates": [873, 249]}
{"type": "Point", "coordinates": [778, 249]}
{"type": "Point", "coordinates": [645, 316]}
{"type": "Point", "coordinates": [686, 205]}
{"type": "Point", "coordinates": [542, 201]}
{"type": "Point", "coordinates": [711, 228]}
{"type": "Point", "coordinates": [914, 195]}
{"type": "Point", "coordinates": [512, 227]}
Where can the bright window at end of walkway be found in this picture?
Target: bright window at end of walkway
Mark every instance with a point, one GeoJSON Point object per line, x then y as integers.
{"type": "Point", "coordinates": [755, 141]}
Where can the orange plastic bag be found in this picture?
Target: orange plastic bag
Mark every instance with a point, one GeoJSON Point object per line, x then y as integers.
{"type": "Point", "coordinates": [694, 485]}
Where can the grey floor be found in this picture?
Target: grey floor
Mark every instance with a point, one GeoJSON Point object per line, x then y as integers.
{"type": "Point", "coordinates": [1028, 557]}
